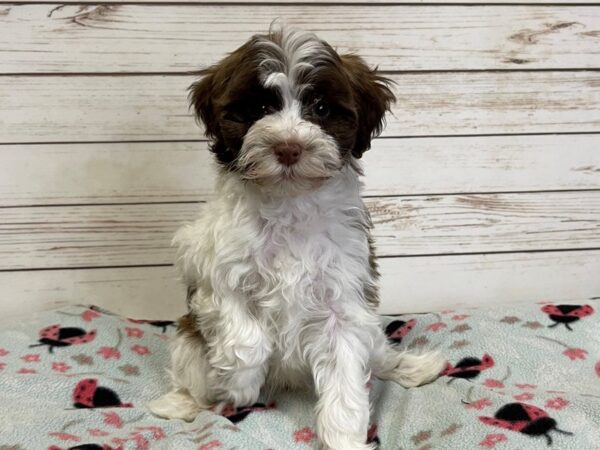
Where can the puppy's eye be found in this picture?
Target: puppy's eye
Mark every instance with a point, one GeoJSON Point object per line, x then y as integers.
{"type": "Point", "coordinates": [321, 108]}
{"type": "Point", "coordinates": [259, 110]}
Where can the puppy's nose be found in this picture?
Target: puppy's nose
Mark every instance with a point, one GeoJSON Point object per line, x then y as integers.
{"type": "Point", "coordinates": [288, 153]}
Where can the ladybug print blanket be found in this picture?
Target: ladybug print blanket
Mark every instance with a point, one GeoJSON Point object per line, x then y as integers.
{"type": "Point", "coordinates": [517, 377]}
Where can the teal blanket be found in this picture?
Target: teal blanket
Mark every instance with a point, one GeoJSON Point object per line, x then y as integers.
{"type": "Point", "coordinates": [518, 377]}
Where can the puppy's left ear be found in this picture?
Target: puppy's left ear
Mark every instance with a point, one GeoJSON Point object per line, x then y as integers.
{"type": "Point", "coordinates": [373, 97]}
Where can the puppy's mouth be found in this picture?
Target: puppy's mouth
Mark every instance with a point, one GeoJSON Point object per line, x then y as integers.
{"type": "Point", "coordinates": [309, 169]}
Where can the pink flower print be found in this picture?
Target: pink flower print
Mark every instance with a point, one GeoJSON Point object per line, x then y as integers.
{"type": "Point", "coordinates": [60, 367]}
{"type": "Point", "coordinates": [141, 443]}
{"type": "Point", "coordinates": [97, 432]}
{"type": "Point", "coordinates": [134, 332]}
{"type": "Point", "coordinates": [598, 368]}
{"type": "Point", "coordinates": [575, 353]}
{"type": "Point", "coordinates": [2, 366]}
{"type": "Point", "coordinates": [491, 383]}
{"type": "Point", "coordinates": [479, 404]}
{"type": "Point", "coordinates": [31, 358]}
{"type": "Point", "coordinates": [210, 445]}
{"type": "Point", "coordinates": [526, 386]}
{"type": "Point", "coordinates": [109, 353]}
{"type": "Point", "coordinates": [557, 403]}
{"type": "Point", "coordinates": [3, 352]}
{"type": "Point", "coordinates": [112, 419]}
{"type": "Point", "coordinates": [157, 432]}
{"type": "Point", "coordinates": [523, 397]}
{"type": "Point", "coordinates": [437, 326]}
{"type": "Point", "coordinates": [25, 371]}
{"type": "Point", "coordinates": [491, 440]}
{"type": "Point", "coordinates": [304, 435]}
{"type": "Point", "coordinates": [460, 316]}
{"type": "Point", "coordinates": [65, 437]}
{"type": "Point", "coordinates": [140, 349]}
{"type": "Point", "coordinates": [89, 314]}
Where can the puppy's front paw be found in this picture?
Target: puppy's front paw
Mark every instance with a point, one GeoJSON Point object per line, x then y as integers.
{"type": "Point", "coordinates": [413, 369]}
{"type": "Point", "coordinates": [177, 404]}
{"type": "Point", "coordinates": [345, 444]}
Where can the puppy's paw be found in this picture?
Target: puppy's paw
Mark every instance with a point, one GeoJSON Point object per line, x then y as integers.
{"type": "Point", "coordinates": [413, 369]}
{"type": "Point", "coordinates": [177, 404]}
{"type": "Point", "coordinates": [345, 444]}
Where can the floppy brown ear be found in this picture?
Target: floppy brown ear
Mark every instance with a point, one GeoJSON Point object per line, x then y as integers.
{"type": "Point", "coordinates": [373, 98]}
{"type": "Point", "coordinates": [201, 99]}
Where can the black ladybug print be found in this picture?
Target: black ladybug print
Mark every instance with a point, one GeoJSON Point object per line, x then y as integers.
{"type": "Point", "coordinates": [566, 314]}
{"type": "Point", "coordinates": [163, 324]}
{"type": "Point", "coordinates": [55, 336]}
{"type": "Point", "coordinates": [526, 419]}
{"type": "Point", "coordinates": [88, 394]}
{"type": "Point", "coordinates": [86, 447]}
{"type": "Point", "coordinates": [398, 329]}
{"type": "Point", "coordinates": [236, 415]}
{"type": "Point", "coordinates": [469, 367]}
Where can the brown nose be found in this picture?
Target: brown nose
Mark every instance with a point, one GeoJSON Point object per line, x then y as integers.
{"type": "Point", "coordinates": [288, 153]}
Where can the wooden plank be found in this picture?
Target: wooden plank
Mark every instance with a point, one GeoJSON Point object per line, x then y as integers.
{"type": "Point", "coordinates": [98, 108]}
{"type": "Point", "coordinates": [149, 292]}
{"type": "Point", "coordinates": [113, 235]}
{"type": "Point", "coordinates": [408, 284]}
{"type": "Point", "coordinates": [345, 2]}
{"type": "Point", "coordinates": [42, 38]}
{"type": "Point", "coordinates": [183, 171]}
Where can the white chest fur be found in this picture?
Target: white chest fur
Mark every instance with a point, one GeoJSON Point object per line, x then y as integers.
{"type": "Point", "coordinates": [282, 258]}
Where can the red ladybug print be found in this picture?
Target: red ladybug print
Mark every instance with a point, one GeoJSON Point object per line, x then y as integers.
{"type": "Point", "coordinates": [567, 314]}
{"type": "Point", "coordinates": [55, 336]}
{"type": "Point", "coordinates": [469, 367]}
{"type": "Point", "coordinates": [526, 419]}
{"type": "Point", "coordinates": [155, 323]}
{"type": "Point", "coordinates": [372, 437]}
{"type": "Point", "coordinates": [398, 329]}
{"type": "Point", "coordinates": [88, 394]}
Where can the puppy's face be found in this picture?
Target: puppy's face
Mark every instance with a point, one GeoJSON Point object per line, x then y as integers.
{"type": "Point", "coordinates": [286, 112]}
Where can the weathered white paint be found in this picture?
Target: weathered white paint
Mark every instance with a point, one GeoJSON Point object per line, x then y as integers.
{"type": "Point", "coordinates": [183, 171]}
{"type": "Point", "coordinates": [411, 284]}
{"type": "Point", "coordinates": [490, 247]}
{"type": "Point", "coordinates": [133, 108]}
{"type": "Point", "coordinates": [114, 235]}
{"type": "Point", "coordinates": [45, 38]}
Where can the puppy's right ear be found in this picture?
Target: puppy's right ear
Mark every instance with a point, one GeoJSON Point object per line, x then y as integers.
{"type": "Point", "coordinates": [201, 99]}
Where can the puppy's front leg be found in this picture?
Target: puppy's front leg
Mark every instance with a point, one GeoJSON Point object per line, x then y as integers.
{"type": "Point", "coordinates": [339, 362]}
{"type": "Point", "coordinates": [238, 354]}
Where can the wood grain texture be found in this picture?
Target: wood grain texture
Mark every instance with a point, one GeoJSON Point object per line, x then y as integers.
{"type": "Point", "coordinates": [133, 108]}
{"type": "Point", "coordinates": [49, 174]}
{"type": "Point", "coordinates": [113, 235]}
{"type": "Point", "coordinates": [344, 2]}
{"type": "Point", "coordinates": [411, 284]}
{"type": "Point", "coordinates": [42, 38]}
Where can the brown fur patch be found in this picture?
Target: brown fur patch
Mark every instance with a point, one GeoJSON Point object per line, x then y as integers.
{"type": "Point", "coordinates": [371, 291]}
{"type": "Point", "coordinates": [373, 98]}
{"type": "Point", "coordinates": [187, 326]}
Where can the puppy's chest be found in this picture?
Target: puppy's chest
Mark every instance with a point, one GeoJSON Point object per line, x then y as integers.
{"type": "Point", "coordinates": [300, 263]}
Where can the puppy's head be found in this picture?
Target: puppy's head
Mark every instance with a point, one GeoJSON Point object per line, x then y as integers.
{"type": "Point", "coordinates": [286, 112]}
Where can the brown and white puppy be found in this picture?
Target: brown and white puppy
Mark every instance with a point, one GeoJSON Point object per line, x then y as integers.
{"type": "Point", "coordinates": [280, 267]}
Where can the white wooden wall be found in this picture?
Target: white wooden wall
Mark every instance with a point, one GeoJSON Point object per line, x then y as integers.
{"type": "Point", "coordinates": [485, 186]}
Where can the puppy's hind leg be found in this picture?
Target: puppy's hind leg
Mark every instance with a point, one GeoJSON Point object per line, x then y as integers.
{"type": "Point", "coordinates": [407, 368]}
{"type": "Point", "coordinates": [189, 374]}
